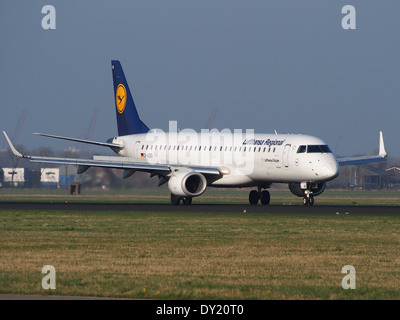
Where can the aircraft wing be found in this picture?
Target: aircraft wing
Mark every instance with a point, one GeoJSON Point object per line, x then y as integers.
{"type": "Point", "coordinates": [113, 163]}
{"type": "Point", "coordinates": [366, 159]}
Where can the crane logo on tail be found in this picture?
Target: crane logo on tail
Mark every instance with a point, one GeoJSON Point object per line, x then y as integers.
{"type": "Point", "coordinates": [120, 98]}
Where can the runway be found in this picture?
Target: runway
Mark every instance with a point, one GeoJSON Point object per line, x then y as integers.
{"type": "Point", "coordinates": [216, 208]}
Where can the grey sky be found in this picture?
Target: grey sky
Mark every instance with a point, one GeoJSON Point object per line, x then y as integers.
{"type": "Point", "coordinates": [265, 65]}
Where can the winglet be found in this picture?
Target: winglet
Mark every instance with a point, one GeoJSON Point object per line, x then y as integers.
{"type": "Point", "coordinates": [16, 153]}
{"type": "Point", "coordinates": [382, 150]}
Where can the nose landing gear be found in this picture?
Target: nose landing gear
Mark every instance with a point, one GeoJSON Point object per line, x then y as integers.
{"type": "Point", "coordinates": [308, 199]}
{"type": "Point", "coordinates": [307, 190]}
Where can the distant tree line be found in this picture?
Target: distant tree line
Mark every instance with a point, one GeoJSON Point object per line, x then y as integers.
{"type": "Point", "coordinates": [383, 175]}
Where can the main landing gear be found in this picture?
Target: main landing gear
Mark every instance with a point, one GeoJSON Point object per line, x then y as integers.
{"type": "Point", "coordinates": [175, 200]}
{"type": "Point", "coordinates": [263, 196]}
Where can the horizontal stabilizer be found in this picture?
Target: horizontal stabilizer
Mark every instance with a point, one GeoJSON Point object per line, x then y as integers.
{"type": "Point", "coordinates": [103, 144]}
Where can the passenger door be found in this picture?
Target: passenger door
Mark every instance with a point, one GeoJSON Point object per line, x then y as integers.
{"type": "Point", "coordinates": [285, 155]}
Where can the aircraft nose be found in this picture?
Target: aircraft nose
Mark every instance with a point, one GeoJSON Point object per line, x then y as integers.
{"type": "Point", "coordinates": [331, 169]}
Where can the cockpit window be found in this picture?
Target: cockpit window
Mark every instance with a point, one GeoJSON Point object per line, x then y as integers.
{"type": "Point", "coordinates": [318, 149]}
{"type": "Point", "coordinates": [301, 149]}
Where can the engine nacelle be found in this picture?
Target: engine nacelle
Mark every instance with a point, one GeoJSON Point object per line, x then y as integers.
{"type": "Point", "coordinates": [187, 184]}
{"type": "Point", "coordinates": [299, 189]}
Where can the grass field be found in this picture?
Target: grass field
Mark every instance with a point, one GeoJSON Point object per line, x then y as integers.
{"type": "Point", "coordinates": [186, 255]}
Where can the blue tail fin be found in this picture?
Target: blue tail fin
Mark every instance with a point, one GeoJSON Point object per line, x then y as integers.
{"type": "Point", "coordinates": [127, 117]}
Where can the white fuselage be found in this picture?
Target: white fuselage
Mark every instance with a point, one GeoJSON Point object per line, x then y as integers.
{"type": "Point", "coordinates": [243, 160]}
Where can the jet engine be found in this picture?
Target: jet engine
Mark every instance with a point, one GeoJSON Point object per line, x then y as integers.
{"type": "Point", "coordinates": [187, 184]}
{"type": "Point", "coordinates": [299, 189]}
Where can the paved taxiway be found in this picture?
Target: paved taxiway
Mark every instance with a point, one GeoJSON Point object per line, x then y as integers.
{"type": "Point", "coordinates": [217, 208]}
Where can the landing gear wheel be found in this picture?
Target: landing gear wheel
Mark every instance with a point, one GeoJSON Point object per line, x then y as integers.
{"type": "Point", "coordinates": [187, 201]}
{"type": "Point", "coordinates": [308, 201]}
{"type": "Point", "coordinates": [175, 200]}
{"type": "Point", "coordinates": [253, 197]}
{"type": "Point", "coordinates": [265, 197]}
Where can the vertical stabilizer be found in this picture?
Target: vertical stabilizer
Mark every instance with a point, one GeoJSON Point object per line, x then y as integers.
{"type": "Point", "coordinates": [127, 116]}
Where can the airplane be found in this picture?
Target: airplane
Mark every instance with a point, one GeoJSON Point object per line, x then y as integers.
{"type": "Point", "coordinates": [189, 162]}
